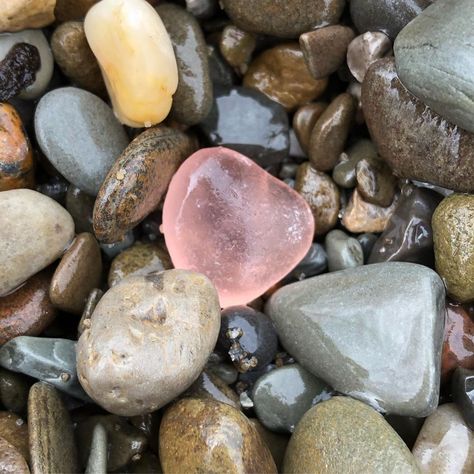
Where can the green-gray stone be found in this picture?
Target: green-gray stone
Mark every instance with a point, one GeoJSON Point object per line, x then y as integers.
{"type": "Point", "coordinates": [97, 462]}
{"type": "Point", "coordinates": [343, 251]}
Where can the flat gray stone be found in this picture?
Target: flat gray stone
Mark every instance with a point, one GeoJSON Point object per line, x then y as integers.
{"type": "Point", "coordinates": [80, 136]}
{"type": "Point", "coordinates": [373, 332]}
{"type": "Point", "coordinates": [435, 59]}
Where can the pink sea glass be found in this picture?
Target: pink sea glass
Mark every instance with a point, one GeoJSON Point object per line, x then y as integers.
{"type": "Point", "coordinates": [226, 217]}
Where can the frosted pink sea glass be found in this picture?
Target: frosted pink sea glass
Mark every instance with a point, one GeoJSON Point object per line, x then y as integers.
{"type": "Point", "coordinates": [226, 217]}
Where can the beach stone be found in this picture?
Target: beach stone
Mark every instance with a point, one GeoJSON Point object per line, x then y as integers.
{"type": "Point", "coordinates": [78, 273]}
{"type": "Point", "coordinates": [241, 236]}
{"type": "Point", "coordinates": [385, 15]}
{"type": "Point", "coordinates": [14, 390]}
{"type": "Point", "coordinates": [112, 250]}
{"type": "Point", "coordinates": [51, 435]}
{"type": "Point", "coordinates": [27, 213]}
{"type": "Point", "coordinates": [192, 100]}
{"type": "Point", "coordinates": [330, 132]}
{"type": "Point", "coordinates": [445, 443]}
{"type": "Point", "coordinates": [80, 136]}
{"type": "Point", "coordinates": [39, 41]}
{"type": "Point", "coordinates": [22, 14]}
{"type": "Point", "coordinates": [325, 49]}
{"type": "Point", "coordinates": [416, 142]}
{"type": "Point", "coordinates": [280, 18]}
{"type": "Point", "coordinates": [97, 460]}
{"type": "Point", "coordinates": [202, 9]}
{"type": "Point", "coordinates": [453, 235]}
{"type": "Point", "coordinates": [201, 435]}
{"type": "Point", "coordinates": [314, 263]}
{"type": "Point", "coordinates": [11, 461]}
{"type": "Point", "coordinates": [462, 388]}
{"type": "Point", "coordinates": [135, 323]}
{"type": "Point", "coordinates": [67, 10]}
{"type": "Point", "coordinates": [28, 311]}
{"type": "Point", "coordinates": [282, 75]}
{"type": "Point", "coordinates": [219, 69]}
{"type": "Point", "coordinates": [407, 427]}
{"type": "Point", "coordinates": [247, 121]}
{"type": "Point", "coordinates": [51, 360]}
{"type": "Point", "coordinates": [390, 367]}
{"type": "Point", "coordinates": [281, 397]}
{"type": "Point", "coordinates": [138, 180]}
{"type": "Point", "coordinates": [141, 258]}
{"type": "Point", "coordinates": [14, 430]}
{"type": "Point", "coordinates": [408, 235]}
{"type": "Point", "coordinates": [80, 205]}
{"type": "Point", "coordinates": [16, 156]}
{"type": "Point", "coordinates": [434, 64]}
{"type": "Point", "coordinates": [75, 58]}
{"type": "Point", "coordinates": [375, 182]}
{"type": "Point", "coordinates": [322, 196]}
{"type": "Point", "coordinates": [237, 47]}
{"type": "Point", "coordinates": [345, 435]}
{"type": "Point", "coordinates": [304, 120]}
{"type": "Point", "coordinates": [343, 251]}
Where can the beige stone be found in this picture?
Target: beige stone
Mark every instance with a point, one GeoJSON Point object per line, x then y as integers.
{"type": "Point", "coordinates": [16, 15]}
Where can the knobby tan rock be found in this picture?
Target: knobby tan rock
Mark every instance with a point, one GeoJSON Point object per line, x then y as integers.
{"type": "Point", "coordinates": [17, 15]}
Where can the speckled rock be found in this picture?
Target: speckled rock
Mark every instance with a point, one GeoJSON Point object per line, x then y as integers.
{"type": "Point", "coordinates": [192, 100]}
{"type": "Point", "coordinates": [14, 390]}
{"type": "Point", "coordinates": [11, 460]}
{"type": "Point", "coordinates": [22, 14]}
{"type": "Point", "coordinates": [138, 180]}
{"type": "Point", "coordinates": [304, 120]}
{"type": "Point", "coordinates": [207, 436]}
{"type": "Point", "coordinates": [67, 10]}
{"type": "Point", "coordinates": [283, 19]}
{"type": "Point", "coordinates": [26, 214]}
{"type": "Point", "coordinates": [345, 435]}
{"type": "Point", "coordinates": [392, 366]}
{"type": "Point", "coordinates": [343, 251]}
{"type": "Point", "coordinates": [80, 136]}
{"type": "Point", "coordinates": [14, 430]}
{"type": "Point", "coordinates": [139, 321]}
{"type": "Point", "coordinates": [435, 63]}
{"type": "Point", "coordinates": [453, 235]}
{"type": "Point", "coordinates": [416, 142]}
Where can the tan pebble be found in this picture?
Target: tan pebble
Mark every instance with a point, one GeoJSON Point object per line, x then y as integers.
{"type": "Point", "coordinates": [16, 15]}
{"type": "Point", "coordinates": [304, 120]}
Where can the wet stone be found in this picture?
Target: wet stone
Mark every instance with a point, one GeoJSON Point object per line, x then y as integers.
{"type": "Point", "coordinates": [462, 388]}
{"type": "Point", "coordinates": [80, 205]}
{"type": "Point", "coordinates": [11, 460]}
{"type": "Point", "coordinates": [314, 263]}
{"type": "Point", "coordinates": [237, 46]}
{"type": "Point", "coordinates": [14, 390]}
{"type": "Point", "coordinates": [375, 182]}
{"type": "Point", "coordinates": [343, 251]}
{"type": "Point", "coordinates": [14, 430]}
{"type": "Point", "coordinates": [304, 120]}
{"type": "Point", "coordinates": [91, 302]}
{"type": "Point", "coordinates": [97, 460]}
{"type": "Point", "coordinates": [220, 71]}
{"type": "Point", "coordinates": [148, 463]}
{"type": "Point", "coordinates": [367, 242]}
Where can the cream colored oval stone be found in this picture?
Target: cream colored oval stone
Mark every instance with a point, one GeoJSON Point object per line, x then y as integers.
{"type": "Point", "coordinates": [136, 57]}
{"type": "Point", "coordinates": [148, 340]}
{"type": "Point", "coordinates": [34, 231]}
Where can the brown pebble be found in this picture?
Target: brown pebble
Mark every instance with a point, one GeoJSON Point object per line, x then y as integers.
{"type": "Point", "coordinates": [282, 75]}
{"type": "Point", "coordinates": [75, 58]}
{"type": "Point", "coordinates": [304, 120]}
{"type": "Point", "coordinates": [80, 205]}
{"type": "Point", "coordinates": [322, 195]}
{"type": "Point", "coordinates": [79, 271]}
{"type": "Point", "coordinates": [67, 10]}
{"type": "Point", "coordinates": [325, 49]}
{"type": "Point", "coordinates": [237, 46]}
{"type": "Point", "coordinates": [17, 15]}
{"type": "Point", "coordinates": [16, 156]}
{"type": "Point", "coordinates": [11, 461]}
{"type": "Point", "coordinates": [330, 132]}
{"type": "Point", "coordinates": [14, 430]}
{"type": "Point", "coordinates": [375, 181]}
{"type": "Point", "coordinates": [28, 311]}
{"type": "Point", "coordinates": [91, 302]}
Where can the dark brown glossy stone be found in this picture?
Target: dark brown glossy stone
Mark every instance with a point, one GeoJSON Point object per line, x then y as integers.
{"type": "Point", "coordinates": [304, 120]}
{"type": "Point", "coordinates": [416, 142]}
{"type": "Point", "coordinates": [237, 46]}
{"type": "Point", "coordinates": [15, 430]}
{"type": "Point", "coordinates": [11, 461]}
{"type": "Point", "coordinates": [66, 10]}
{"type": "Point", "coordinates": [138, 180]}
{"type": "Point", "coordinates": [28, 311]}
{"type": "Point", "coordinates": [375, 181]}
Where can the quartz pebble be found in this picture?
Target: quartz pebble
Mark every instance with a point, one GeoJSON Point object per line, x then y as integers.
{"type": "Point", "coordinates": [343, 251]}
{"type": "Point", "coordinates": [22, 14]}
{"type": "Point", "coordinates": [221, 197]}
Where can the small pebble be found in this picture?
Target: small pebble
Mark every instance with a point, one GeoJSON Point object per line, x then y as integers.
{"type": "Point", "coordinates": [14, 430]}
{"type": "Point", "coordinates": [22, 14]}
{"type": "Point", "coordinates": [367, 242]}
{"type": "Point", "coordinates": [237, 46]}
{"type": "Point", "coordinates": [304, 120]}
{"type": "Point", "coordinates": [343, 251]}
{"type": "Point", "coordinates": [97, 460]}
{"type": "Point", "coordinates": [462, 388]}
{"type": "Point", "coordinates": [202, 9]}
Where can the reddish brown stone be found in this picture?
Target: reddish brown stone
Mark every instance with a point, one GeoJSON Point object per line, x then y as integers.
{"type": "Point", "coordinates": [304, 120]}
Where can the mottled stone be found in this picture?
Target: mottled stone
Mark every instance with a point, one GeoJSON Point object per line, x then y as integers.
{"type": "Point", "coordinates": [199, 435]}
{"type": "Point", "coordinates": [138, 180]}
{"type": "Point", "coordinates": [445, 443]}
{"type": "Point", "coordinates": [237, 46]}
{"type": "Point", "coordinates": [416, 142]}
{"type": "Point", "coordinates": [139, 321]}
{"type": "Point", "coordinates": [345, 435]}
{"type": "Point", "coordinates": [192, 100]}
{"type": "Point", "coordinates": [11, 460]}
{"type": "Point", "coordinates": [14, 430]}
{"type": "Point", "coordinates": [462, 388]}
{"type": "Point", "coordinates": [375, 182]}
{"type": "Point", "coordinates": [51, 435]}
{"type": "Point", "coordinates": [325, 49]}
{"type": "Point", "coordinates": [322, 196]}
{"type": "Point", "coordinates": [435, 62]}
{"type": "Point", "coordinates": [67, 10]}
{"type": "Point", "coordinates": [80, 205]}
{"type": "Point", "coordinates": [97, 460]}
{"type": "Point", "coordinates": [453, 235]}
{"type": "Point", "coordinates": [35, 231]}
{"type": "Point", "coordinates": [396, 365]}
{"type": "Point", "coordinates": [282, 75]}
{"type": "Point", "coordinates": [304, 120]}
{"type": "Point", "coordinates": [330, 132]}
{"type": "Point", "coordinates": [281, 18]}
{"type": "Point", "coordinates": [80, 136]}
{"type": "Point", "coordinates": [14, 390]}
{"type": "Point", "coordinates": [343, 251]}
{"type": "Point", "coordinates": [28, 311]}
{"type": "Point", "coordinates": [313, 263]}
{"type": "Point", "coordinates": [22, 14]}
{"type": "Point", "coordinates": [247, 121]}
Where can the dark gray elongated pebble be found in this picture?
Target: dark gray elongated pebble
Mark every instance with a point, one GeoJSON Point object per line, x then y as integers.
{"type": "Point", "coordinates": [462, 388]}
{"type": "Point", "coordinates": [435, 60]}
{"type": "Point", "coordinates": [51, 436]}
{"type": "Point", "coordinates": [192, 100]}
{"type": "Point", "coordinates": [281, 397]}
{"type": "Point", "coordinates": [372, 332]}
{"type": "Point", "coordinates": [367, 242]}
{"type": "Point", "coordinates": [80, 136]}
{"type": "Point", "coordinates": [14, 390]}
{"type": "Point", "coordinates": [314, 263]}
{"type": "Point", "coordinates": [47, 359]}
{"type": "Point", "coordinates": [247, 121]}
{"type": "Point", "coordinates": [97, 462]}
{"type": "Point", "coordinates": [343, 251]}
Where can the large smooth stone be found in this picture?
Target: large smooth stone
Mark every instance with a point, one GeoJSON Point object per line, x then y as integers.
{"type": "Point", "coordinates": [416, 142]}
{"type": "Point", "coordinates": [434, 60]}
{"type": "Point", "coordinates": [172, 317]}
{"type": "Point", "coordinates": [35, 230]}
{"type": "Point", "coordinates": [373, 332]}
{"type": "Point", "coordinates": [247, 121]}
{"type": "Point", "coordinates": [256, 228]}
{"type": "Point", "coordinates": [345, 435]}
{"type": "Point", "coordinates": [80, 136]}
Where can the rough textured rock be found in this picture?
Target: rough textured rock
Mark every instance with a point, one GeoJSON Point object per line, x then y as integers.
{"type": "Point", "coordinates": [22, 14]}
